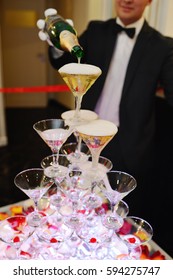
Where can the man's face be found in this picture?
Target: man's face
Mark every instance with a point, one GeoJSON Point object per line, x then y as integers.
{"type": "Point", "coordinates": [130, 11]}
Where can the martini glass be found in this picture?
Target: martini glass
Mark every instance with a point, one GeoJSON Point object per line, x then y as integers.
{"type": "Point", "coordinates": [58, 197]}
{"type": "Point", "coordinates": [53, 235]}
{"type": "Point", "coordinates": [75, 154]}
{"type": "Point", "coordinates": [96, 136]}
{"type": "Point", "coordinates": [75, 191]}
{"type": "Point", "coordinates": [113, 249]}
{"type": "Point", "coordinates": [79, 78]}
{"type": "Point", "coordinates": [94, 237]}
{"type": "Point", "coordinates": [104, 164]}
{"type": "Point", "coordinates": [94, 199]}
{"type": "Point", "coordinates": [14, 231]}
{"type": "Point", "coordinates": [34, 183]}
{"type": "Point", "coordinates": [85, 116]}
{"type": "Point", "coordinates": [62, 160]}
{"type": "Point", "coordinates": [115, 186]}
{"type": "Point", "coordinates": [54, 132]}
{"type": "Point", "coordinates": [63, 163]}
{"type": "Point", "coordinates": [134, 233]}
{"type": "Point", "coordinates": [122, 208]}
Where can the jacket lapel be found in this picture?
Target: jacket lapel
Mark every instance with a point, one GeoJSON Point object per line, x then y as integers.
{"type": "Point", "coordinates": [110, 45]}
{"type": "Point", "coordinates": [136, 56]}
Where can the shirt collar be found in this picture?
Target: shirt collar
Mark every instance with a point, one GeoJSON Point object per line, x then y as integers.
{"type": "Point", "coordinates": [137, 25]}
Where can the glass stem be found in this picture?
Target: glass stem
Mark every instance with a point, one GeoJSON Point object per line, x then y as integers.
{"type": "Point", "coordinates": [78, 101]}
{"type": "Point", "coordinates": [35, 206]}
{"type": "Point", "coordinates": [78, 141]}
{"type": "Point", "coordinates": [18, 252]}
{"type": "Point", "coordinates": [95, 159]}
{"type": "Point", "coordinates": [55, 159]}
{"type": "Point", "coordinates": [74, 205]}
{"type": "Point", "coordinates": [112, 208]}
{"type": "Point", "coordinates": [79, 144]}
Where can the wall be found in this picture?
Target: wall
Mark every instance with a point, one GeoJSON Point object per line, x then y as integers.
{"type": "Point", "coordinates": [165, 24]}
{"type": "Point", "coordinates": [159, 15]}
{"type": "Point", "coordinates": [24, 61]}
{"type": "Point", "coordinates": [3, 137]}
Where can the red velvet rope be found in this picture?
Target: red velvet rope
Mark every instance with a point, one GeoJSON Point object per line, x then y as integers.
{"type": "Point", "coordinates": [35, 89]}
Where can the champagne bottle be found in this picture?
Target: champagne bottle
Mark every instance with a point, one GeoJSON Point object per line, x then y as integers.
{"type": "Point", "coordinates": [62, 35]}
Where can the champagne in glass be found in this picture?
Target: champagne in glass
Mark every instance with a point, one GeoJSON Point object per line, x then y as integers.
{"type": "Point", "coordinates": [85, 116]}
{"type": "Point", "coordinates": [96, 135]}
{"type": "Point", "coordinates": [79, 78]}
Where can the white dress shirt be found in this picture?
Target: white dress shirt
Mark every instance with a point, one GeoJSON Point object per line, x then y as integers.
{"type": "Point", "coordinates": [107, 106]}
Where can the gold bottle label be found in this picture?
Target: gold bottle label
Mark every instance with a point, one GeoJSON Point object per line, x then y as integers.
{"type": "Point", "coordinates": [68, 40]}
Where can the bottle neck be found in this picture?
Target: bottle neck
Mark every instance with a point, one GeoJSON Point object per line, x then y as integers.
{"type": "Point", "coordinates": [77, 51]}
{"type": "Point", "coordinates": [69, 42]}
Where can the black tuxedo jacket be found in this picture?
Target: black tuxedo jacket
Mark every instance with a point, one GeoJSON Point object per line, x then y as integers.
{"type": "Point", "coordinates": [150, 65]}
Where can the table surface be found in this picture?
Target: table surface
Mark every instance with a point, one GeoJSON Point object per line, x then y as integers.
{"type": "Point", "coordinates": [152, 244]}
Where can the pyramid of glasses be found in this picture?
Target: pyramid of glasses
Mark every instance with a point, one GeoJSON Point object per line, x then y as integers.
{"type": "Point", "coordinates": [78, 208]}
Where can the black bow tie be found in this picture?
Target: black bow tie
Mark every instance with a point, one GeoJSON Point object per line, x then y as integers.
{"type": "Point", "coordinates": [129, 31]}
